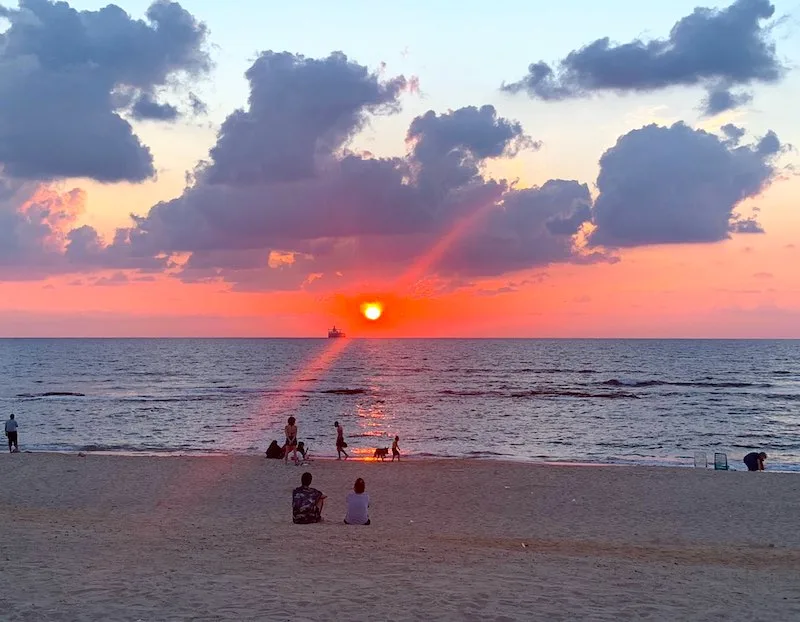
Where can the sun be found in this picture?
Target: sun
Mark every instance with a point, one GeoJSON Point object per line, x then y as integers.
{"type": "Point", "coordinates": [372, 310]}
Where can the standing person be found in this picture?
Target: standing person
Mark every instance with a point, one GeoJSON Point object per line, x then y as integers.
{"type": "Point", "coordinates": [307, 502]}
{"type": "Point", "coordinates": [340, 443]}
{"type": "Point", "coordinates": [11, 433]}
{"type": "Point", "coordinates": [396, 449]}
{"type": "Point", "coordinates": [755, 461]}
{"type": "Point", "coordinates": [291, 440]}
{"type": "Point", "coordinates": [357, 505]}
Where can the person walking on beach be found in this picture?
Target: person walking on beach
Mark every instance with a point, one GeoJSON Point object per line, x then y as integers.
{"type": "Point", "coordinates": [396, 448]}
{"type": "Point", "coordinates": [357, 505]}
{"type": "Point", "coordinates": [307, 502]}
{"type": "Point", "coordinates": [340, 443]}
{"type": "Point", "coordinates": [291, 440]}
{"type": "Point", "coordinates": [11, 433]}
{"type": "Point", "coordinates": [755, 461]}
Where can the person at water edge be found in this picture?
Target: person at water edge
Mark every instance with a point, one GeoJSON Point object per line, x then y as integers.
{"type": "Point", "coordinates": [307, 502]}
{"type": "Point", "coordinates": [11, 433]}
{"type": "Point", "coordinates": [340, 443]}
{"type": "Point", "coordinates": [357, 505]}
{"type": "Point", "coordinates": [755, 461]}
{"type": "Point", "coordinates": [274, 451]}
{"type": "Point", "coordinates": [396, 448]}
{"type": "Point", "coordinates": [301, 449]}
{"type": "Point", "coordinates": [291, 440]}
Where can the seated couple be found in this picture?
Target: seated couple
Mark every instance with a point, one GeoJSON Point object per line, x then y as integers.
{"type": "Point", "coordinates": [307, 503]}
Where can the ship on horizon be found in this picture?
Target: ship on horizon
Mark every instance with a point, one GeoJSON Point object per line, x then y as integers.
{"type": "Point", "coordinates": [335, 333]}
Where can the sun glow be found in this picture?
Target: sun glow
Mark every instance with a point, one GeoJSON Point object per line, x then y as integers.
{"type": "Point", "coordinates": [372, 310]}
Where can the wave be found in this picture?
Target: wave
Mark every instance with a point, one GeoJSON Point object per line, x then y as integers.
{"type": "Point", "coordinates": [789, 397]}
{"type": "Point", "coordinates": [126, 448]}
{"type": "Point", "coordinates": [667, 383]}
{"type": "Point", "coordinates": [50, 394]}
{"type": "Point", "coordinates": [542, 393]}
{"type": "Point", "coordinates": [344, 391]}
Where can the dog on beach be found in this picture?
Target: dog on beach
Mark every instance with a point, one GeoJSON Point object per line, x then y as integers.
{"type": "Point", "coordinates": [381, 452]}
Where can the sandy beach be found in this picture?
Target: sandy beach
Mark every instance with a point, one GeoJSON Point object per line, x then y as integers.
{"type": "Point", "coordinates": [211, 538]}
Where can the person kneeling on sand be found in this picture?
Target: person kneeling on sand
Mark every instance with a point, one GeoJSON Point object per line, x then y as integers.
{"type": "Point", "coordinates": [755, 461]}
{"type": "Point", "coordinates": [358, 505]}
{"type": "Point", "coordinates": [307, 502]}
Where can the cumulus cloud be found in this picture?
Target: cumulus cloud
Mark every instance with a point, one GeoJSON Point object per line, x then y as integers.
{"type": "Point", "coordinates": [301, 111]}
{"type": "Point", "coordinates": [449, 148]}
{"type": "Point", "coordinates": [733, 133]}
{"type": "Point", "coordinates": [39, 236]}
{"type": "Point", "coordinates": [662, 185]}
{"type": "Point", "coordinates": [534, 227]}
{"type": "Point", "coordinates": [721, 98]}
{"type": "Point", "coordinates": [718, 49]}
{"type": "Point", "coordinates": [322, 215]}
{"type": "Point", "coordinates": [280, 184]}
{"type": "Point", "coordinates": [145, 107]}
{"type": "Point", "coordinates": [67, 76]}
{"type": "Point", "coordinates": [34, 223]}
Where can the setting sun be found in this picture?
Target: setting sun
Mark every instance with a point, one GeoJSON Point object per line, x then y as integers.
{"type": "Point", "coordinates": [371, 310]}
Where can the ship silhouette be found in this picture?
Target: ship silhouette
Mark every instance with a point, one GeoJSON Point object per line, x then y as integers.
{"type": "Point", "coordinates": [335, 333]}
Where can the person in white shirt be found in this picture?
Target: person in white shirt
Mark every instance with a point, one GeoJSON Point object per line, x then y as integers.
{"type": "Point", "coordinates": [357, 505]}
{"type": "Point", "coordinates": [11, 433]}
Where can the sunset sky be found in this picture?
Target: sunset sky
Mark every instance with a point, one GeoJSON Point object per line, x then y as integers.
{"type": "Point", "coordinates": [508, 169]}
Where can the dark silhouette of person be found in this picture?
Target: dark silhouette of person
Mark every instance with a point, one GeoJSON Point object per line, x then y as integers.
{"type": "Point", "coordinates": [755, 461]}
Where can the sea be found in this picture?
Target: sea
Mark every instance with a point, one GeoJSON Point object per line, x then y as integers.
{"type": "Point", "coordinates": [587, 401]}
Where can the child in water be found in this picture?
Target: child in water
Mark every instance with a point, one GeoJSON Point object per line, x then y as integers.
{"type": "Point", "coordinates": [396, 449]}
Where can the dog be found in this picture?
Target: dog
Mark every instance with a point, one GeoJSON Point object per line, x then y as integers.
{"type": "Point", "coordinates": [381, 452]}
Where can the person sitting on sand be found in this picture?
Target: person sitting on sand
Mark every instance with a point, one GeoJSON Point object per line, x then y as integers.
{"type": "Point", "coordinates": [274, 451]}
{"type": "Point", "coordinates": [357, 505]}
{"type": "Point", "coordinates": [340, 444]}
{"type": "Point", "coordinates": [307, 502]}
{"type": "Point", "coordinates": [291, 440]}
{"type": "Point", "coordinates": [396, 449]}
{"type": "Point", "coordinates": [11, 433]}
{"type": "Point", "coordinates": [301, 449]}
{"type": "Point", "coordinates": [755, 461]}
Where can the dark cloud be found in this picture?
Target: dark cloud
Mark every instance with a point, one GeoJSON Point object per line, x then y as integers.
{"type": "Point", "coordinates": [280, 199]}
{"type": "Point", "coordinates": [533, 227]}
{"type": "Point", "coordinates": [449, 148]}
{"type": "Point", "coordinates": [721, 98]}
{"type": "Point", "coordinates": [715, 48]}
{"type": "Point", "coordinates": [662, 185]}
{"type": "Point", "coordinates": [733, 133]}
{"type": "Point", "coordinates": [301, 111]}
{"type": "Point", "coordinates": [146, 108]}
{"type": "Point", "coordinates": [66, 76]}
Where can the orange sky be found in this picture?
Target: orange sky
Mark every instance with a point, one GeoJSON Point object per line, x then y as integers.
{"type": "Point", "coordinates": [745, 287]}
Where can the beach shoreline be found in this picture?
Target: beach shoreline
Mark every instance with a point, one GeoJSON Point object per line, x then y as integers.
{"type": "Point", "coordinates": [682, 462]}
{"type": "Point", "coordinates": [211, 538]}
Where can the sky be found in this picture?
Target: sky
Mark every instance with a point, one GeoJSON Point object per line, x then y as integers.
{"type": "Point", "coordinates": [507, 169]}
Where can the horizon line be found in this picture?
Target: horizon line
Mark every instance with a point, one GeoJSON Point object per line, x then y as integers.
{"type": "Point", "coordinates": [390, 338]}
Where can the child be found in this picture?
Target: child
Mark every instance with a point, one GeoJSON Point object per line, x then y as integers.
{"type": "Point", "coordinates": [396, 449]}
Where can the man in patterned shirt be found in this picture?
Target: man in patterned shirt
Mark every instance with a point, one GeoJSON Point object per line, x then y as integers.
{"type": "Point", "coordinates": [307, 502]}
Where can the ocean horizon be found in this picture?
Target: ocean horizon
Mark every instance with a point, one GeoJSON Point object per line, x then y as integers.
{"type": "Point", "coordinates": [590, 400]}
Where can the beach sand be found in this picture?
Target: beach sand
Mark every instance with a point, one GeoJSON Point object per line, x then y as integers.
{"type": "Point", "coordinates": [211, 538]}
